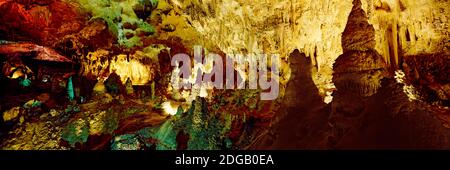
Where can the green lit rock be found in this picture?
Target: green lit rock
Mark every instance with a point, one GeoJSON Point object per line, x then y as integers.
{"type": "Point", "coordinates": [76, 132]}
{"type": "Point", "coordinates": [70, 89]}
{"type": "Point", "coordinates": [120, 13]}
{"type": "Point", "coordinates": [206, 131]}
{"type": "Point", "coordinates": [24, 82]}
{"type": "Point", "coordinates": [126, 142]}
{"type": "Point", "coordinates": [165, 136]}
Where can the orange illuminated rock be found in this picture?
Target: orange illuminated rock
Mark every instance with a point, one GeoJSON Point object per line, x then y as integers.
{"type": "Point", "coordinates": [43, 53]}
{"type": "Point", "coordinates": [358, 34]}
{"type": "Point", "coordinates": [38, 21]}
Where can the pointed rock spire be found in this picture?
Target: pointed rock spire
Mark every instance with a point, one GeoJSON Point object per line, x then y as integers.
{"type": "Point", "coordinates": [358, 34]}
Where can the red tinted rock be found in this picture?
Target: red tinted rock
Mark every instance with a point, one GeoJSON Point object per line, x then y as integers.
{"type": "Point", "coordinates": [38, 21]}
{"type": "Point", "coordinates": [43, 53]}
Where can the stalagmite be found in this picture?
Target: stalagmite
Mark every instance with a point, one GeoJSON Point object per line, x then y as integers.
{"type": "Point", "coordinates": [315, 27]}
{"type": "Point", "coordinates": [360, 69]}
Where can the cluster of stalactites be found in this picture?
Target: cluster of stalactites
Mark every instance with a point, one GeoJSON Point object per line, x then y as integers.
{"type": "Point", "coordinates": [141, 67]}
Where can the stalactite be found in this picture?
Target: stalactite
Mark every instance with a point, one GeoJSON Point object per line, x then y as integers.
{"type": "Point", "coordinates": [395, 44]}
{"type": "Point", "coordinates": [408, 28]}
{"type": "Point", "coordinates": [407, 35]}
{"type": "Point", "coordinates": [316, 58]}
{"type": "Point", "coordinates": [140, 67]}
{"type": "Point", "coordinates": [386, 49]}
{"type": "Point", "coordinates": [314, 28]}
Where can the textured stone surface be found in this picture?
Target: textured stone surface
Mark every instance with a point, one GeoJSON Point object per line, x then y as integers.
{"type": "Point", "coordinates": [360, 69]}
{"type": "Point", "coordinates": [358, 34]}
{"type": "Point", "coordinates": [355, 44]}
{"type": "Point", "coordinates": [37, 21]}
{"type": "Point", "coordinates": [315, 28]}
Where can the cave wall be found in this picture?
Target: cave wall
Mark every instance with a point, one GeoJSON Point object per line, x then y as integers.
{"type": "Point", "coordinates": [402, 27]}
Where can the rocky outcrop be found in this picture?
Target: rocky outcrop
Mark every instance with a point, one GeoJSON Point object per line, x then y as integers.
{"type": "Point", "coordinates": [359, 72]}
{"type": "Point", "coordinates": [358, 34]}
{"type": "Point", "coordinates": [370, 109]}
{"type": "Point", "coordinates": [300, 123]}
{"type": "Point", "coordinates": [360, 69]}
{"type": "Point", "coordinates": [425, 73]}
{"type": "Point", "coordinates": [397, 27]}
{"type": "Point", "coordinates": [42, 22]}
{"type": "Point", "coordinates": [408, 27]}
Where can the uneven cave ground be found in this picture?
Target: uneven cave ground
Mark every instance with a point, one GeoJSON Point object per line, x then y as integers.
{"type": "Point", "coordinates": [83, 105]}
